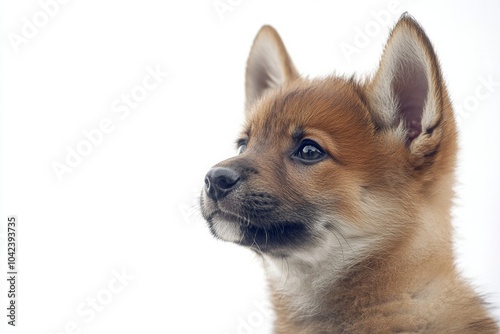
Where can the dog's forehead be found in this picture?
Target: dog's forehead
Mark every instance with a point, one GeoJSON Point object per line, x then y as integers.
{"type": "Point", "coordinates": [329, 105]}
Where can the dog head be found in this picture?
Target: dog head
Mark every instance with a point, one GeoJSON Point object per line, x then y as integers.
{"type": "Point", "coordinates": [335, 156]}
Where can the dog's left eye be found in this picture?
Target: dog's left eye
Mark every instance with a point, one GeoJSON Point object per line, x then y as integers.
{"type": "Point", "coordinates": [242, 146]}
{"type": "Point", "coordinates": [309, 152]}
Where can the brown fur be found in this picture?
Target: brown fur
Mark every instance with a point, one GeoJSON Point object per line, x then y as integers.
{"type": "Point", "coordinates": [389, 195]}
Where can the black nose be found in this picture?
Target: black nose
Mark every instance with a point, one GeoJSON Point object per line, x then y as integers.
{"type": "Point", "coordinates": [219, 181]}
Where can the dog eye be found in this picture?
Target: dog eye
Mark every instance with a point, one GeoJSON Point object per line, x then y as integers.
{"type": "Point", "coordinates": [242, 146]}
{"type": "Point", "coordinates": [309, 152]}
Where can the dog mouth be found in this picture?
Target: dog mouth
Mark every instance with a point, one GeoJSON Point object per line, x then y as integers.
{"type": "Point", "coordinates": [263, 237]}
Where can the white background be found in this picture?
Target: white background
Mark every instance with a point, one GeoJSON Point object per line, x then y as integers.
{"type": "Point", "coordinates": [131, 203]}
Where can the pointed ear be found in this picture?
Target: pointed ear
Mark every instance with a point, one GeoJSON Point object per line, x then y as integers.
{"type": "Point", "coordinates": [268, 66]}
{"type": "Point", "coordinates": [408, 93]}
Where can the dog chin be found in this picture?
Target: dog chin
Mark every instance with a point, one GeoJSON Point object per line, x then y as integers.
{"type": "Point", "coordinates": [225, 229]}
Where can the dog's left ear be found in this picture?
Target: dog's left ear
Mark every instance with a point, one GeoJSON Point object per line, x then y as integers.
{"type": "Point", "coordinates": [408, 94]}
{"type": "Point", "coordinates": [269, 65]}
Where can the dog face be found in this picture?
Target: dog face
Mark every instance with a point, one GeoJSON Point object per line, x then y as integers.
{"type": "Point", "coordinates": [334, 158]}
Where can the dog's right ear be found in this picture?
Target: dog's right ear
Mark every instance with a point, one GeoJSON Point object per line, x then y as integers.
{"type": "Point", "coordinates": [269, 65]}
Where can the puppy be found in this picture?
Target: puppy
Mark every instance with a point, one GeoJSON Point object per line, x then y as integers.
{"type": "Point", "coordinates": [344, 189]}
